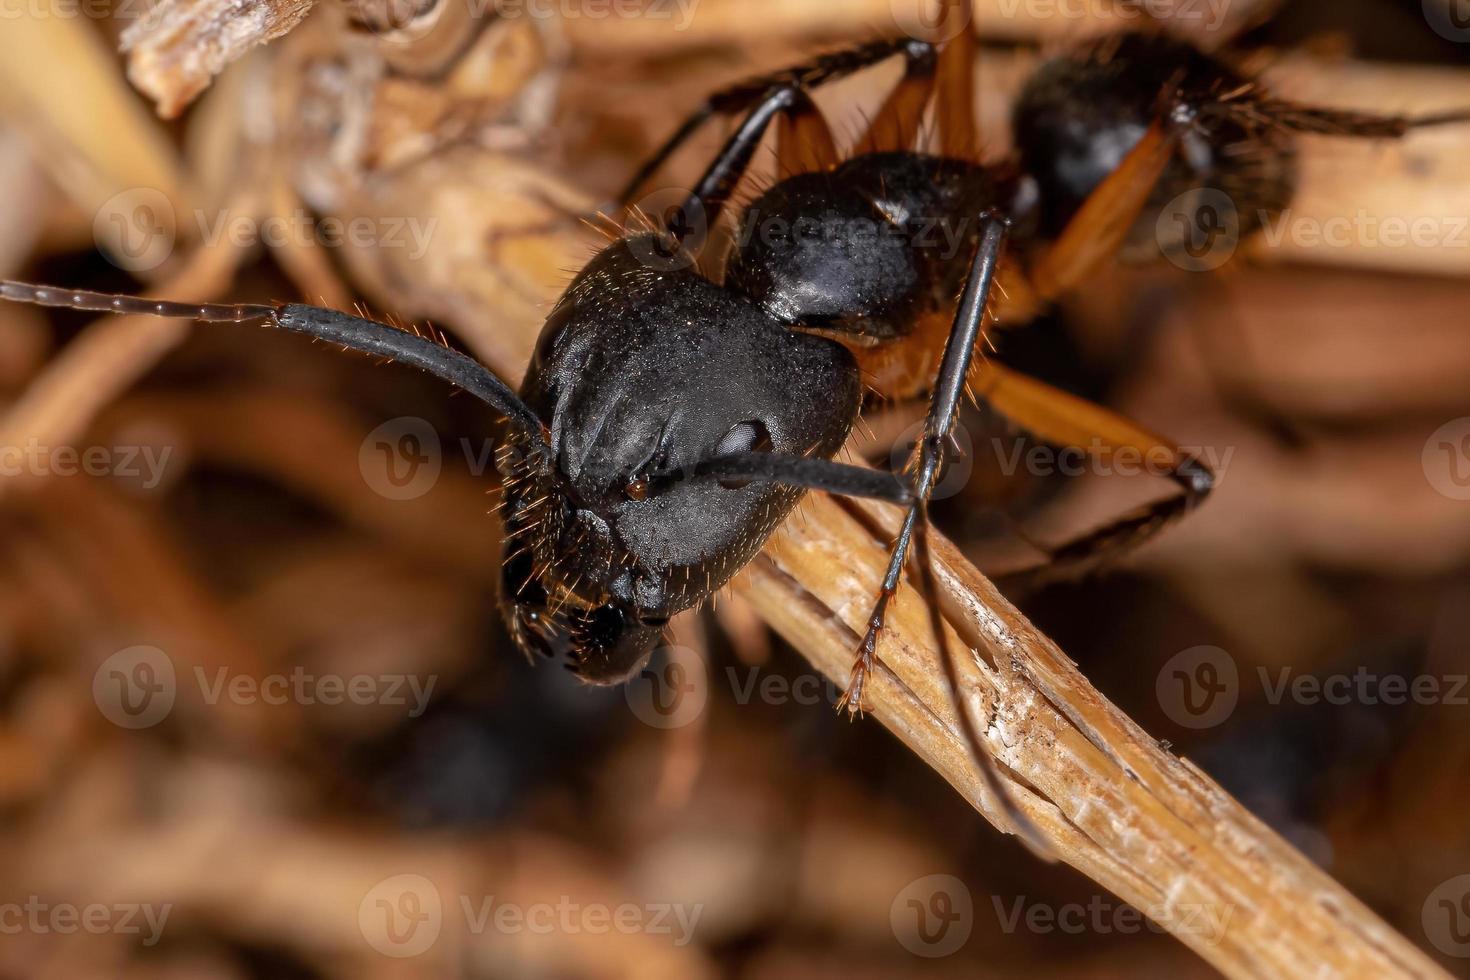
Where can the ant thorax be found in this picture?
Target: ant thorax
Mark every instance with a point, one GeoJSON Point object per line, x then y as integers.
{"type": "Point", "coordinates": [867, 248]}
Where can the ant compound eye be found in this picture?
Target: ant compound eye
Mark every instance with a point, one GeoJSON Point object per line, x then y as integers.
{"type": "Point", "coordinates": [636, 489]}
{"type": "Point", "coordinates": [745, 437]}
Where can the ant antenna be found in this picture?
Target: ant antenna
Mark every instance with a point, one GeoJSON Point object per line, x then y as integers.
{"type": "Point", "coordinates": [353, 332]}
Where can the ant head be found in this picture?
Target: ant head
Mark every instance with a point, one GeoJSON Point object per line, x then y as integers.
{"type": "Point", "coordinates": [1078, 116]}
{"type": "Point", "coordinates": [642, 372]}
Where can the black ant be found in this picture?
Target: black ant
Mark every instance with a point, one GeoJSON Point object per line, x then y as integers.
{"type": "Point", "coordinates": [668, 423]}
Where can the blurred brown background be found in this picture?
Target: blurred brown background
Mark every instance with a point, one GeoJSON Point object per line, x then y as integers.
{"type": "Point", "coordinates": [258, 717]}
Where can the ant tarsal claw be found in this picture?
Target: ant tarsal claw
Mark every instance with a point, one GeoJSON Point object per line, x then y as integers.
{"type": "Point", "coordinates": [852, 698]}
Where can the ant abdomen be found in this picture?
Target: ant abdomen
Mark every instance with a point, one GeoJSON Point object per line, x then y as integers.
{"type": "Point", "coordinates": [865, 248]}
{"type": "Point", "coordinates": [1080, 114]}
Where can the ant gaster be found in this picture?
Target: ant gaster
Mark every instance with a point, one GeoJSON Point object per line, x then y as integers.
{"type": "Point", "coordinates": [669, 422]}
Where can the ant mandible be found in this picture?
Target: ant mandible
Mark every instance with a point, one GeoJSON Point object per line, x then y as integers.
{"type": "Point", "coordinates": [668, 423]}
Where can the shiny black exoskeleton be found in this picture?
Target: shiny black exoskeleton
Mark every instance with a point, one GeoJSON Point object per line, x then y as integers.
{"type": "Point", "coordinates": [639, 372]}
{"type": "Point", "coordinates": [1079, 115]}
{"type": "Point", "coordinates": [642, 369]}
{"type": "Point", "coordinates": [865, 248]}
{"type": "Point", "coordinates": [670, 421]}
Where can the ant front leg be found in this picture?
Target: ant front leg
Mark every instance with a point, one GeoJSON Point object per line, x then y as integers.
{"type": "Point", "coordinates": [954, 368]}
{"type": "Point", "coordinates": [1101, 225]}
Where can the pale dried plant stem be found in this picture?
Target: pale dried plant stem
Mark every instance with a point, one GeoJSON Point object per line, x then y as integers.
{"type": "Point", "coordinates": [1149, 827]}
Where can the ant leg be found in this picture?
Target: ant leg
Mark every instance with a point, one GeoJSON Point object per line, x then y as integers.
{"type": "Point", "coordinates": [743, 95]}
{"type": "Point", "coordinates": [1061, 419]}
{"type": "Point", "coordinates": [713, 191]}
{"type": "Point", "coordinates": [790, 100]}
{"type": "Point", "coordinates": [804, 142]}
{"type": "Point", "coordinates": [954, 368]}
{"type": "Point", "coordinates": [1101, 224]}
{"type": "Point", "coordinates": [949, 71]}
{"type": "Point", "coordinates": [896, 126]}
{"type": "Point", "coordinates": [958, 137]}
{"type": "Point", "coordinates": [1322, 121]}
{"type": "Point", "coordinates": [355, 333]}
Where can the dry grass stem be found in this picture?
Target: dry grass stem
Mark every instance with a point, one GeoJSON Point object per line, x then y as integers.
{"type": "Point", "coordinates": [1111, 802]}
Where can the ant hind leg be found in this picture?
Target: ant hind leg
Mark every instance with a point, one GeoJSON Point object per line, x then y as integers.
{"type": "Point", "coordinates": [1062, 419]}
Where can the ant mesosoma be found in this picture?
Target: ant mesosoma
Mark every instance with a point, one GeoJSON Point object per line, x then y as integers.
{"type": "Point", "coordinates": [668, 422]}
